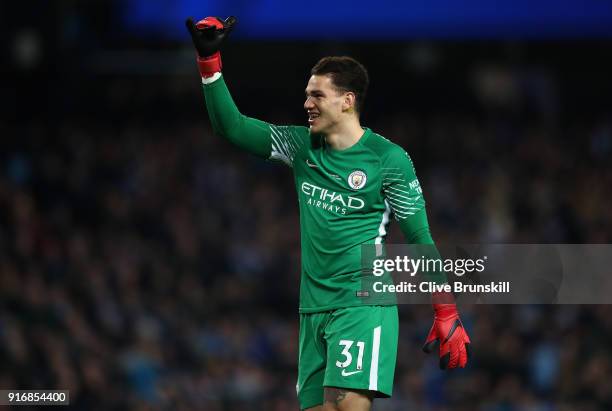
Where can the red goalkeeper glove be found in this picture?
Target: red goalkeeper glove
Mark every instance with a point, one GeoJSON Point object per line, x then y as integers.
{"type": "Point", "coordinates": [208, 35]}
{"type": "Point", "coordinates": [448, 330]}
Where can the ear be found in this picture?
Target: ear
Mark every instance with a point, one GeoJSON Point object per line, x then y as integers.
{"type": "Point", "coordinates": [348, 103]}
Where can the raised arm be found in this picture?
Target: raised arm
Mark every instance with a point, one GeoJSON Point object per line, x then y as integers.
{"type": "Point", "coordinates": [255, 136]}
{"type": "Point", "coordinates": [247, 133]}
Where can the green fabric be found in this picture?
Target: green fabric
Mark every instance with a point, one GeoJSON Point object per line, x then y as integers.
{"type": "Point", "coordinates": [247, 133]}
{"type": "Point", "coordinates": [345, 197]}
{"type": "Point", "coordinates": [353, 348]}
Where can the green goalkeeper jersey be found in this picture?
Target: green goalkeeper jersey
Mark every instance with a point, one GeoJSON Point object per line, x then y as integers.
{"type": "Point", "coordinates": [346, 197]}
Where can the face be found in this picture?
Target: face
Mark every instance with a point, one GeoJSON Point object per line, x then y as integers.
{"type": "Point", "coordinates": [325, 104]}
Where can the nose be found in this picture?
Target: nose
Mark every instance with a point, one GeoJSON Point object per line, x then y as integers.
{"type": "Point", "coordinates": [308, 103]}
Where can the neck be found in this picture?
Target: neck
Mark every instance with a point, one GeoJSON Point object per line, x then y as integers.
{"type": "Point", "coordinates": [345, 135]}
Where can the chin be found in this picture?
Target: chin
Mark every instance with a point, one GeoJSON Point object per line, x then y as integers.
{"type": "Point", "coordinates": [317, 129]}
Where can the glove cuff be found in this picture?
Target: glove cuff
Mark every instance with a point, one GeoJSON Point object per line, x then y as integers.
{"type": "Point", "coordinates": [439, 298]}
{"type": "Point", "coordinates": [445, 311]}
{"type": "Point", "coordinates": [444, 305]}
{"type": "Point", "coordinates": [210, 65]}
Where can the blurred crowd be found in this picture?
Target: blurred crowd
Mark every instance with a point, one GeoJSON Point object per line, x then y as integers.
{"type": "Point", "coordinates": [146, 264]}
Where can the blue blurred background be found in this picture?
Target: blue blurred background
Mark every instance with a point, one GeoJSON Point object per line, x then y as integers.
{"type": "Point", "coordinates": [132, 273]}
{"type": "Point", "coordinates": [381, 20]}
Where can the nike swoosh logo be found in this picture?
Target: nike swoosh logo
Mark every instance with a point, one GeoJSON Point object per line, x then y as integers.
{"type": "Point", "coordinates": [346, 374]}
{"type": "Point", "coordinates": [311, 165]}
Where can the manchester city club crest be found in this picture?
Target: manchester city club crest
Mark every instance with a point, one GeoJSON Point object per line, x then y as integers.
{"type": "Point", "coordinates": [357, 179]}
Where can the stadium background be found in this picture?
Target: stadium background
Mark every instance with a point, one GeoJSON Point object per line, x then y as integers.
{"type": "Point", "coordinates": [146, 264]}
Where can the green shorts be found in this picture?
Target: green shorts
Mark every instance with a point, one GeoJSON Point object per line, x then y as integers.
{"type": "Point", "coordinates": [353, 347]}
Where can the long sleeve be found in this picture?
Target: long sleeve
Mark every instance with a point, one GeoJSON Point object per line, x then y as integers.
{"type": "Point", "coordinates": [404, 195]}
{"type": "Point", "coordinates": [255, 136]}
{"type": "Point", "coordinates": [402, 191]}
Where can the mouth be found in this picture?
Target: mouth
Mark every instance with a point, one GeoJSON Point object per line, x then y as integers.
{"type": "Point", "coordinates": [312, 117]}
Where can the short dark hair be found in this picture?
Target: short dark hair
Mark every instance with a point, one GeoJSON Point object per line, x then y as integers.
{"type": "Point", "coordinates": [347, 74]}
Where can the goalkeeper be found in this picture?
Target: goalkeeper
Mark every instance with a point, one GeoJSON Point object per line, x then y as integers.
{"type": "Point", "coordinates": [349, 181]}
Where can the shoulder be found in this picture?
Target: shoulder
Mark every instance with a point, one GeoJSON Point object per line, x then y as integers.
{"type": "Point", "coordinates": [300, 132]}
{"type": "Point", "coordinates": [387, 150]}
{"type": "Point", "coordinates": [296, 136]}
